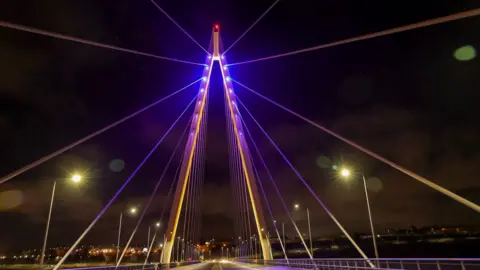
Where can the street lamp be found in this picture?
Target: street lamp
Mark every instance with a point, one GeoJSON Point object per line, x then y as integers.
{"type": "Point", "coordinates": [157, 224]}
{"type": "Point", "coordinates": [346, 173]}
{"type": "Point", "coordinates": [75, 178]}
{"type": "Point", "coordinates": [132, 211]}
{"type": "Point", "coordinates": [297, 206]}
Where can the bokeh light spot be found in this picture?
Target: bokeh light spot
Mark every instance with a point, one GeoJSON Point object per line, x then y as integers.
{"type": "Point", "coordinates": [116, 165]}
{"type": "Point", "coordinates": [324, 162]}
{"type": "Point", "coordinates": [10, 199]}
{"type": "Point", "coordinates": [465, 53]}
{"type": "Point", "coordinates": [374, 184]}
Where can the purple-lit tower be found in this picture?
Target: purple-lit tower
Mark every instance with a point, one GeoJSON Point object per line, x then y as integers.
{"type": "Point", "coordinates": [192, 145]}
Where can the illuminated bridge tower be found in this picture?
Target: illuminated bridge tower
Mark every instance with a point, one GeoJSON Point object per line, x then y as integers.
{"type": "Point", "coordinates": [192, 145]}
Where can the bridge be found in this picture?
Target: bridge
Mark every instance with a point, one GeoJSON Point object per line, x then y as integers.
{"type": "Point", "coordinates": [256, 226]}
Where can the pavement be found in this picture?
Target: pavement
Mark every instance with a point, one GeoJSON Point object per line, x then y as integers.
{"type": "Point", "coordinates": [227, 265]}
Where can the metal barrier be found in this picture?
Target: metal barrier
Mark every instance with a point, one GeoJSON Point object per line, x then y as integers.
{"type": "Point", "coordinates": [390, 263]}
{"type": "Point", "coordinates": [153, 266]}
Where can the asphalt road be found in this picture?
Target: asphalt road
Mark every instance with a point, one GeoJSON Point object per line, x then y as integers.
{"type": "Point", "coordinates": [223, 266]}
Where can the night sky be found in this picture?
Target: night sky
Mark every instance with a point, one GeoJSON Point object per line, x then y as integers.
{"type": "Point", "coordinates": [404, 96]}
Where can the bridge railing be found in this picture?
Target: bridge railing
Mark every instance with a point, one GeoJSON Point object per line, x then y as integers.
{"type": "Point", "coordinates": [362, 264]}
{"type": "Point", "coordinates": [152, 266]}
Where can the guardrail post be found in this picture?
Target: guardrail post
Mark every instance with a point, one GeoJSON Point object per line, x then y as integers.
{"type": "Point", "coordinates": [438, 266]}
{"type": "Point", "coordinates": [401, 264]}
{"type": "Point", "coordinates": [355, 263]}
{"type": "Point", "coordinates": [418, 265]}
{"type": "Point", "coordinates": [463, 265]}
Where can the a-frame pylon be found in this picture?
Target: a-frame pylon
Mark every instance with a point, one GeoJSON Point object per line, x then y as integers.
{"type": "Point", "coordinates": [199, 119]}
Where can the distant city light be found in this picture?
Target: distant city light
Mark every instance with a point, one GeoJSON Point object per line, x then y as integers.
{"type": "Point", "coordinates": [133, 210]}
{"type": "Point", "coordinates": [228, 78]}
{"type": "Point", "coordinates": [204, 78]}
{"type": "Point", "coordinates": [157, 224]}
{"type": "Point", "coordinates": [225, 67]}
{"type": "Point", "coordinates": [296, 206]}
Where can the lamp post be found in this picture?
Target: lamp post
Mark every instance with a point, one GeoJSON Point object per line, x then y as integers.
{"type": "Point", "coordinates": [178, 249]}
{"type": "Point", "coordinates": [297, 206]}
{"type": "Point", "coordinates": [132, 211]}
{"type": "Point", "coordinates": [148, 237]}
{"type": "Point", "coordinates": [346, 173]}
{"type": "Point", "coordinates": [75, 178]}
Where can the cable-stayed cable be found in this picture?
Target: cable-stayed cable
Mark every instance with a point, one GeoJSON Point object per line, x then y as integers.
{"type": "Point", "coordinates": [275, 186]}
{"type": "Point", "coordinates": [89, 42]}
{"type": "Point", "coordinates": [307, 186]}
{"type": "Point", "coordinates": [449, 18]}
{"type": "Point", "coordinates": [251, 26]}
{"type": "Point", "coordinates": [90, 136]}
{"type": "Point", "coordinates": [183, 30]}
{"type": "Point", "coordinates": [415, 176]}
{"type": "Point", "coordinates": [237, 178]}
{"type": "Point", "coordinates": [121, 188]}
{"type": "Point", "coordinates": [163, 210]}
{"type": "Point", "coordinates": [169, 191]}
{"type": "Point", "coordinates": [262, 189]}
{"type": "Point", "coordinates": [238, 214]}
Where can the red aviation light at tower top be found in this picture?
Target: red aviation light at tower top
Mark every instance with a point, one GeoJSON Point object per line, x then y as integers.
{"type": "Point", "coordinates": [216, 42]}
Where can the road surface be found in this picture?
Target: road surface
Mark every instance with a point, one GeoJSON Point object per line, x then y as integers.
{"type": "Point", "coordinates": [218, 265]}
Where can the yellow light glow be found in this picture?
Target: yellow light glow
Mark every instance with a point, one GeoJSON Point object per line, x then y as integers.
{"type": "Point", "coordinates": [345, 172]}
{"type": "Point", "coordinates": [76, 178]}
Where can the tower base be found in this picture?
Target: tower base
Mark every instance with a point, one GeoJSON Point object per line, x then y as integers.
{"type": "Point", "coordinates": [166, 252]}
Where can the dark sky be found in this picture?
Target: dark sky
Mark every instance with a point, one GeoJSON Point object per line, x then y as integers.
{"type": "Point", "coordinates": [404, 96]}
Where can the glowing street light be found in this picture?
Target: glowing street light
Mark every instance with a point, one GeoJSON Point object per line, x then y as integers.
{"type": "Point", "coordinates": [157, 224]}
{"type": "Point", "coordinates": [346, 173]}
{"type": "Point", "coordinates": [76, 178]}
{"type": "Point", "coordinates": [297, 207]}
{"type": "Point", "coordinates": [132, 211]}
